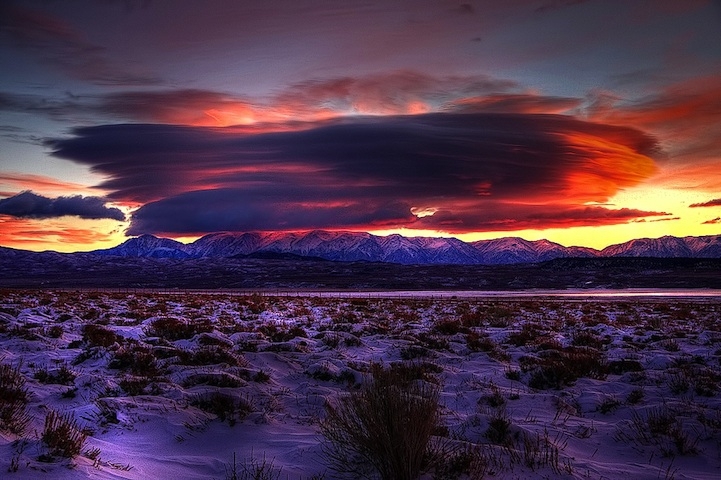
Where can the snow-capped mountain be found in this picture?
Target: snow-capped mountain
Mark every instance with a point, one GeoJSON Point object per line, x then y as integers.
{"type": "Point", "coordinates": [667, 247]}
{"type": "Point", "coordinates": [359, 246]}
{"type": "Point", "coordinates": [425, 250]}
{"type": "Point", "coordinates": [341, 246]}
{"type": "Point", "coordinates": [225, 245]}
{"type": "Point", "coordinates": [148, 246]}
{"type": "Point", "coordinates": [517, 250]}
{"type": "Point", "coordinates": [705, 247]}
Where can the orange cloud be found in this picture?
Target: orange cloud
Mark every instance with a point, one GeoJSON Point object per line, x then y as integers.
{"type": "Point", "coordinates": [58, 235]}
{"type": "Point", "coordinates": [609, 165]}
{"type": "Point", "coordinates": [189, 107]}
{"type": "Point", "coordinates": [699, 176]}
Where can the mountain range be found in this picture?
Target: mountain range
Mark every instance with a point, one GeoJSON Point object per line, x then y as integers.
{"type": "Point", "coordinates": [358, 246]}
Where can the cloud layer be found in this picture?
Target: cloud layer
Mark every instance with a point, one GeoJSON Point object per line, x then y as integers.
{"type": "Point", "coordinates": [31, 205]}
{"type": "Point", "coordinates": [392, 93]}
{"type": "Point", "coordinates": [56, 43]}
{"type": "Point", "coordinates": [474, 172]}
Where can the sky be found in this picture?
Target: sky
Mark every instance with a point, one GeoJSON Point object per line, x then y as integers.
{"type": "Point", "coordinates": [587, 123]}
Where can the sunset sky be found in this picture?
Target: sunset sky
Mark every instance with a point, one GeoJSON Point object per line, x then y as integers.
{"type": "Point", "coordinates": [584, 122]}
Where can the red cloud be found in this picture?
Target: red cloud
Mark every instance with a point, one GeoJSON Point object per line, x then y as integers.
{"type": "Point", "coordinates": [402, 92]}
{"type": "Point", "coordinates": [39, 183]}
{"type": "Point", "coordinates": [504, 217]}
{"type": "Point", "coordinates": [513, 103]}
{"type": "Point", "coordinates": [711, 203]}
{"type": "Point", "coordinates": [687, 115]}
{"type": "Point", "coordinates": [195, 107]}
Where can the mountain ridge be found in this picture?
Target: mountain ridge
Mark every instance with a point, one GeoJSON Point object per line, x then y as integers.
{"type": "Point", "coordinates": [347, 246]}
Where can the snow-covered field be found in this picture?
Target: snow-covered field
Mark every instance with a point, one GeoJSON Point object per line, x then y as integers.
{"type": "Point", "coordinates": [177, 386]}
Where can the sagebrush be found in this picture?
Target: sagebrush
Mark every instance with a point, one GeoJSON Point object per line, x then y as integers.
{"type": "Point", "coordinates": [385, 427]}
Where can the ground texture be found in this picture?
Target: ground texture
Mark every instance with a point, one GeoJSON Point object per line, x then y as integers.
{"type": "Point", "coordinates": [149, 385]}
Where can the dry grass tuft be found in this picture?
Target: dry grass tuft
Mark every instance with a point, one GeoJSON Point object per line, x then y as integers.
{"type": "Point", "coordinates": [14, 416]}
{"type": "Point", "coordinates": [62, 435]}
{"type": "Point", "coordinates": [385, 427]}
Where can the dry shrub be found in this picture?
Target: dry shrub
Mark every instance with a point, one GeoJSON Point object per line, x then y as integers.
{"type": "Point", "coordinates": [538, 451]}
{"type": "Point", "coordinates": [558, 368]}
{"type": "Point", "coordinates": [661, 427]}
{"type": "Point", "coordinates": [412, 352]}
{"type": "Point", "coordinates": [528, 334]}
{"type": "Point", "coordinates": [212, 355]}
{"type": "Point", "coordinates": [172, 329]}
{"type": "Point", "coordinates": [134, 385]}
{"type": "Point", "coordinates": [61, 376]}
{"type": "Point", "coordinates": [477, 342]}
{"type": "Point", "coordinates": [252, 469]}
{"type": "Point", "coordinates": [224, 405]}
{"type": "Point", "coordinates": [499, 427]}
{"type": "Point", "coordinates": [62, 435]}
{"type": "Point", "coordinates": [467, 459]}
{"type": "Point", "coordinates": [54, 331]}
{"type": "Point", "coordinates": [99, 336]}
{"type": "Point", "coordinates": [586, 338]}
{"type": "Point", "coordinates": [276, 334]}
{"type": "Point", "coordinates": [136, 358]}
{"type": "Point", "coordinates": [14, 416]}
{"type": "Point", "coordinates": [447, 326]}
{"type": "Point", "coordinates": [619, 367]}
{"type": "Point", "coordinates": [498, 316]}
{"type": "Point", "coordinates": [384, 427]}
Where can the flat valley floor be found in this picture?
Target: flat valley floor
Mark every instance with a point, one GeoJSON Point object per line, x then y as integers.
{"type": "Point", "coordinates": [217, 386]}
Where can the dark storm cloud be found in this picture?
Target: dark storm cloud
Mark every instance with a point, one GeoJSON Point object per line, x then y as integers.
{"type": "Point", "coordinates": [365, 171]}
{"type": "Point", "coordinates": [260, 209]}
{"type": "Point", "coordinates": [30, 205]}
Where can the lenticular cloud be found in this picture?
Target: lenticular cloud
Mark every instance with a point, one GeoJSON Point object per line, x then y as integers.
{"type": "Point", "coordinates": [475, 171]}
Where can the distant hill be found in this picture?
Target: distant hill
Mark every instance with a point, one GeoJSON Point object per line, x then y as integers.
{"type": "Point", "coordinates": [284, 271]}
{"type": "Point", "coordinates": [358, 246]}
